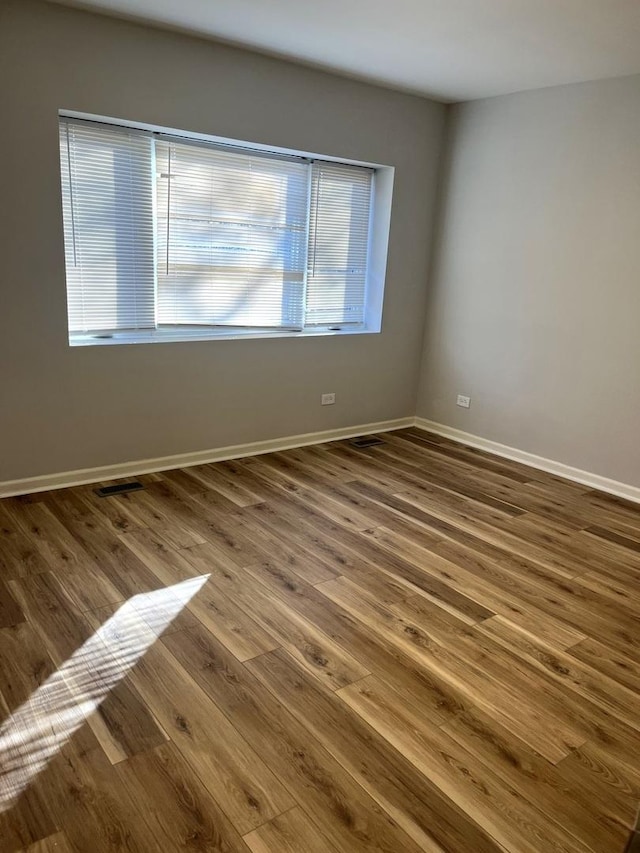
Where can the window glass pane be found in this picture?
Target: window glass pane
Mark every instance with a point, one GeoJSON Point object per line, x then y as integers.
{"type": "Point", "coordinates": [231, 237]}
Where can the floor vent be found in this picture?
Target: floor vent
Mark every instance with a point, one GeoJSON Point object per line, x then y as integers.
{"type": "Point", "coordinates": [107, 491]}
{"type": "Point", "coordinates": [366, 441]}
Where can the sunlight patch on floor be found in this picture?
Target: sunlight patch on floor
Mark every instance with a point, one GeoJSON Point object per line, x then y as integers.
{"type": "Point", "coordinates": [40, 727]}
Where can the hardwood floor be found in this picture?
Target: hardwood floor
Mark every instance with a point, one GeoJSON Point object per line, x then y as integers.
{"type": "Point", "coordinates": [413, 647]}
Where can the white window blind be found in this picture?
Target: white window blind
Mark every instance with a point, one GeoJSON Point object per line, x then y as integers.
{"type": "Point", "coordinates": [232, 234]}
{"type": "Point", "coordinates": [107, 192]}
{"type": "Point", "coordinates": [168, 235]}
{"type": "Point", "coordinates": [338, 244]}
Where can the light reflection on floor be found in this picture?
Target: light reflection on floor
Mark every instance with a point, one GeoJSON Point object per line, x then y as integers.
{"type": "Point", "coordinates": [40, 727]}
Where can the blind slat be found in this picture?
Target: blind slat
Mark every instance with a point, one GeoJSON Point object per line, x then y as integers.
{"type": "Point", "coordinates": [338, 244]}
{"type": "Point", "coordinates": [107, 193]}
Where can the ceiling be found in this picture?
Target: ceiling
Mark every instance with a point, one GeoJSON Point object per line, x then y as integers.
{"type": "Point", "coordinates": [449, 49]}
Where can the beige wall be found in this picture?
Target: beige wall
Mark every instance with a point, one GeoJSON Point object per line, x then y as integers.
{"type": "Point", "coordinates": [534, 307]}
{"type": "Point", "coordinates": [63, 409]}
{"type": "Point", "coordinates": [534, 301]}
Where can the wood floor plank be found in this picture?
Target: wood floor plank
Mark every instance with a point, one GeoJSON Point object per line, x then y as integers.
{"type": "Point", "coordinates": [197, 480]}
{"type": "Point", "coordinates": [311, 647]}
{"type": "Point", "coordinates": [478, 459]}
{"type": "Point", "coordinates": [148, 513]}
{"type": "Point", "coordinates": [497, 492]}
{"type": "Point", "coordinates": [89, 588]}
{"type": "Point", "coordinates": [124, 725]}
{"type": "Point", "coordinates": [19, 555]}
{"type": "Point", "coordinates": [243, 635]}
{"type": "Point", "coordinates": [52, 613]}
{"type": "Point", "coordinates": [369, 513]}
{"type": "Point", "coordinates": [267, 475]}
{"type": "Point", "coordinates": [287, 465]}
{"type": "Point", "coordinates": [116, 511]}
{"type": "Point", "coordinates": [92, 807]}
{"type": "Point", "coordinates": [454, 517]}
{"type": "Point", "coordinates": [483, 460]}
{"type": "Point", "coordinates": [618, 666]}
{"type": "Point", "coordinates": [291, 832]}
{"type": "Point", "coordinates": [25, 663]}
{"type": "Point", "coordinates": [25, 817]}
{"type": "Point", "coordinates": [45, 707]}
{"type": "Point", "coordinates": [351, 820]}
{"type": "Point", "coordinates": [53, 844]}
{"type": "Point", "coordinates": [416, 646]}
{"type": "Point", "coordinates": [224, 481]}
{"type": "Point", "coordinates": [584, 548]}
{"type": "Point", "coordinates": [60, 551]}
{"type": "Point", "coordinates": [411, 798]}
{"type": "Point", "coordinates": [624, 511]}
{"type": "Point", "coordinates": [573, 718]}
{"type": "Point", "coordinates": [118, 564]}
{"type": "Point", "coordinates": [428, 463]}
{"type": "Point", "coordinates": [439, 698]}
{"type": "Point", "coordinates": [609, 590]}
{"type": "Point", "coordinates": [183, 814]}
{"type": "Point", "coordinates": [121, 721]}
{"type": "Point", "coordinates": [436, 621]}
{"type": "Point", "coordinates": [212, 606]}
{"type": "Point", "coordinates": [488, 582]}
{"type": "Point", "coordinates": [237, 778]}
{"type": "Point", "coordinates": [364, 466]}
{"type": "Point", "coordinates": [159, 555]}
{"type": "Point", "coordinates": [581, 678]}
{"type": "Point", "coordinates": [500, 689]}
{"type": "Point", "coordinates": [275, 545]}
{"type": "Point", "coordinates": [10, 611]}
{"type": "Point", "coordinates": [609, 780]}
{"type": "Point", "coordinates": [542, 785]}
{"type": "Point", "coordinates": [27, 822]}
{"type": "Point", "coordinates": [501, 807]}
{"type": "Point", "coordinates": [283, 521]}
{"type": "Point", "coordinates": [344, 551]}
{"type": "Point", "coordinates": [454, 523]}
{"type": "Point", "coordinates": [202, 520]}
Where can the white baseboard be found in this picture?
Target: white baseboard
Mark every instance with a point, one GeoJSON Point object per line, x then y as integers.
{"type": "Point", "coordinates": [83, 476]}
{"type": "Point", "coordinates": [586, 478]}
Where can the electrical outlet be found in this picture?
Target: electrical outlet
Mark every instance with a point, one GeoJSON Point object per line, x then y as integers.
{"type": "Point", "coordinates": [328, 399]}
{"type": "Point", "coordinates": [463, 401]}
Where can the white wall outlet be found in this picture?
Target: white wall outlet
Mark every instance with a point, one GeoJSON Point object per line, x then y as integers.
{"type": "Point", "coordinates": [328, 399]}
{"type": "Point", "coordinates": [463, 401]}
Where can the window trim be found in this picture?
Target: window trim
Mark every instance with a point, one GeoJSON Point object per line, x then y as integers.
{"type": "Point", "coordinates": [379, 229]}
{"type": "Point", "coordinates": [168, 336]}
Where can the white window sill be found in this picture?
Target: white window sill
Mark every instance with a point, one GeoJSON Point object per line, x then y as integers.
{"type": "Point", "coordinates": [158, 336]}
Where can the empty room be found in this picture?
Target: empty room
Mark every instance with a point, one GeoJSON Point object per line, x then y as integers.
{"type": "Point", "coordinates": [319, 426]}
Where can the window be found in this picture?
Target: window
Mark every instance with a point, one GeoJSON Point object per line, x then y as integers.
{"type": "Point", "coordinates": [168, 237]}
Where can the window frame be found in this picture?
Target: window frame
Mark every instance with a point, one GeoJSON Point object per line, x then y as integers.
{"type": "Point", "coordinates": [378, 238]}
